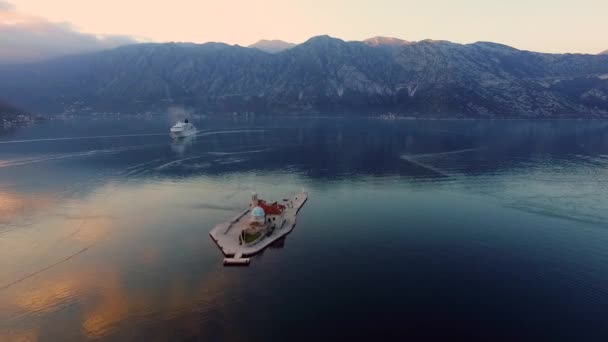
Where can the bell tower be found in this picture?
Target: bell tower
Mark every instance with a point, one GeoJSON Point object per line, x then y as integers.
{"type": "Point", "coordinates": [254, 200]}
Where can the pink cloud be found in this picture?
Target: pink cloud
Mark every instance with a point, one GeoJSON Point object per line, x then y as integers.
{"type": "Point", "coordinates": [6, 6]}
{"type": "Point", "coordinates": [26, 38]}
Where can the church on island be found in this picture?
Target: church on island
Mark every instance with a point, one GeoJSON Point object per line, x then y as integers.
{"type": "Point", "coordinates": [256, 227]}
{"type": "Point", "coordinates": [264, 219]}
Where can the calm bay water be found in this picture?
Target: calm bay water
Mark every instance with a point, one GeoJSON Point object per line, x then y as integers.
{"type": "Point", "coordinates": [494, 230]}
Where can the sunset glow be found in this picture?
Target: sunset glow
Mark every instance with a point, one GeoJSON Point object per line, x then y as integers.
{"type": "Point", "coordinates": [546, 26]}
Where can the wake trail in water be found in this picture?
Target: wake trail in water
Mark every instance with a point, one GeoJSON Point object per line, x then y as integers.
{"type": "Point", "coordinates": [424, 165]}
{"type": "Point", "coordinates": [141, 168]}
{"type": "Point", "coordinates": [438, 154]}
{"type": "Point", "coordinates": [179, 161]}
{"type": "Point", "coordinates": [18, 162]}
{"type": "Point", "coordinates": [201, 134]}
{"type": "Point", "coordinates": [414, 159]}
{"type": "Point", "coordinates": [25, 161]}
{"type": "Point", "coordinates": [28, 276]}
{"type": "Point", "coordinates": [140, 165]}
{"type": "Point", "coordinates": [239, 152]}
{"type": "Point", "coordinates": [82, 138]}
{"type": "Point", "coordinates": [175, 162]}
{"type": "Point", "coordinates": [232, 131]}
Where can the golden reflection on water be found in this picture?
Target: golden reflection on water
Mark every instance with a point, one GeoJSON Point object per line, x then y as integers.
{"type": "Point", "coordinates": [111, 307]}
{"type": "Point", "coordinates": [105, 302]}
{"type": "Point", "coordinates": [19, 336]}
{"type": "Point", "coordinates": [48, 296]}
{"type": "Point", "coordinates": [108, 237]}
{"type": "Point", "coordinates": [13, 205]}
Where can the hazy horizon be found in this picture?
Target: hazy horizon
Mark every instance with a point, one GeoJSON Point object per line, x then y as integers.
{"type": "Point", "coordinates": [36, 29]}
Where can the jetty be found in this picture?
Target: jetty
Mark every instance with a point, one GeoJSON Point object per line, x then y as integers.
{"type": "Point", "coordinates": [256, 228]}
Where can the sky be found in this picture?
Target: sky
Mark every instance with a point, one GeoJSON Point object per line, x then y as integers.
{"type": "Point", "coordinates": [554, 26]}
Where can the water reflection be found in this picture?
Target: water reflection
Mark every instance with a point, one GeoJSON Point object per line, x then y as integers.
{"type": "Point", "coordinates": [14, 205]}
{"type": "Point", "coordinates": [180, 146]}
{"type": "Point", "coordinates": [115, 245]}
{"type": "Point", "coordinates": [95, 283]}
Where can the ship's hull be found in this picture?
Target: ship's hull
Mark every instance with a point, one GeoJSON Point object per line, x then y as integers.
{"type": "Point", "coordinates": [183, 133]}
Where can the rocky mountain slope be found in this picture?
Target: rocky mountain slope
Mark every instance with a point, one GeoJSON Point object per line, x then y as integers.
{"type": "Point", "coordinates": [272, 46]}
{"type": "Point", "coordinates": [386, 41]}
{"type": "Point", "coordinates": [322, 75]}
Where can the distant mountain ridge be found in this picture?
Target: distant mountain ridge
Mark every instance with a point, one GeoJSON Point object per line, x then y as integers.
{"type": "Point", "coordinates": [386, 41]}
{"type": "Point", "coordinates": [272, 46]}
{"type": "Point", "coordinates": [321, 75]}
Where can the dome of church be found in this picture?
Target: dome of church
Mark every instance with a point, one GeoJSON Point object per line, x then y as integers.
{"type": "Point", "coordinates": [258, 212]}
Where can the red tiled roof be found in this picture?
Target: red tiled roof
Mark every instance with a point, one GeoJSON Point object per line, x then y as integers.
{"type": "Point", "coordinates": [271, 209]}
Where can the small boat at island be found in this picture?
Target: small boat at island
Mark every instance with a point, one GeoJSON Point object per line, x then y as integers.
{"type": "Point", "coordinates": [183, 129]}
{"type": "Point", "coordinates": [256, 228]}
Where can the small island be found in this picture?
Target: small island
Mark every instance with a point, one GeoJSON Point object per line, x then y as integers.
{"type": "Point", "coordinates": [256, 227]}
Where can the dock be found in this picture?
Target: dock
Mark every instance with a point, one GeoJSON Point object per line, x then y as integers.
{"type": "Point", "coordinates": [226, 235]}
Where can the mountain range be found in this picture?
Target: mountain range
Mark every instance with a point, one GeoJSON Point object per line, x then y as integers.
{"type": "Point", "coordinates": [386, 41]}
{"type": "Point", "coordinates": [272, 46]}
{"type": "Point", "coordinates": [322, 75]}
